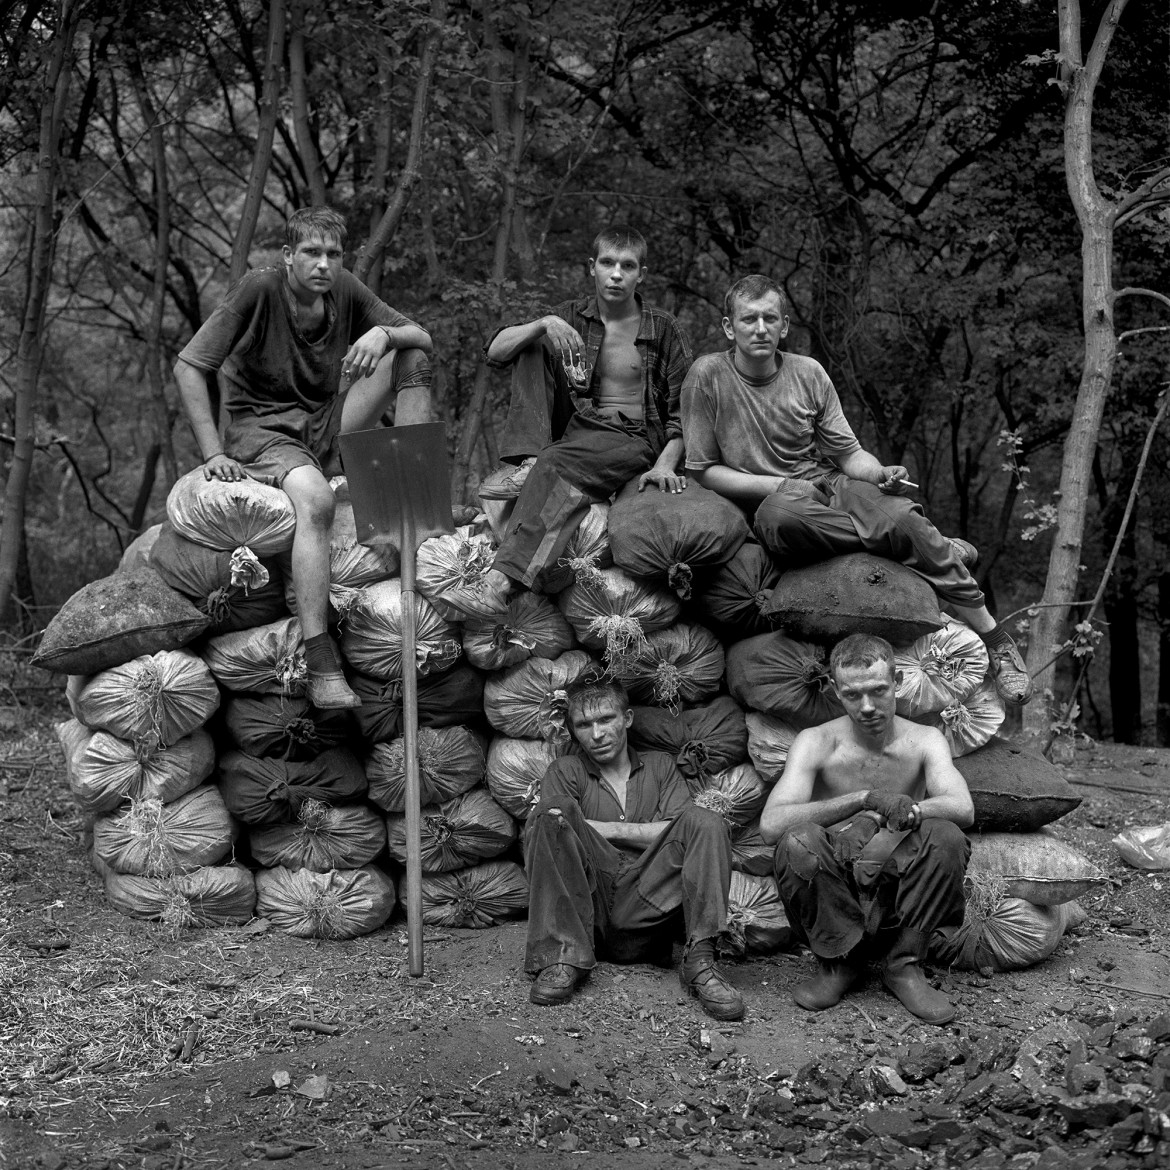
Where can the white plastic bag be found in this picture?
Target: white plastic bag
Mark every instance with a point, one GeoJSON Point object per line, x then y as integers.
{"type": "Point", "coordinates": [1145, 846]}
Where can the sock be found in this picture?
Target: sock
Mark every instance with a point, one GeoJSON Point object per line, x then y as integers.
{"type": "Point", "coordinates": [319, 655]}
{"type": "Point", "coordinates": [996, 637]}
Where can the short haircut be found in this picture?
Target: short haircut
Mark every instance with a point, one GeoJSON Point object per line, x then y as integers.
{"type": "Point", "coordinates": [619, 236]}
{"type": "Point", "coordinates": [860, 650]}
{"type": "Point", "coordinates": [593, 688]}
{"type": "Point", "coordinates": [314, 221]}
{"type": "Point", "coordinates": [751, 288]}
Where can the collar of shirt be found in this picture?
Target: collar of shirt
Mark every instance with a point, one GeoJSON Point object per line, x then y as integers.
{"type": "Point", "coordinates": [591, 311]}
{"type": "Point", "coordinates": [594, 772]}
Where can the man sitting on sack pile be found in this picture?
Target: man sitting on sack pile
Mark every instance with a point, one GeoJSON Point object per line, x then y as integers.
{"type": "Point", "coordinates": [616, 853]}
{"type": "Point", "coordinates": [595, 391]}
{"type": "Point", "coordinates": [766, 429]}
{"type": "Point", "coordinates": [870, 856]}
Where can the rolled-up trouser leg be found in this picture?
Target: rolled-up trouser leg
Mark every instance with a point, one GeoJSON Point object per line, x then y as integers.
{"type": "Point", "coordinates": [817, 892]}
{"type": "Point", "coordinates": [541, 403]}
{"type": "Point", "coordinates": [799, 529]}
{"type": "Point", "coordinates": [689, 869]}
{"type": "Point", "coordinates": [571, 874]}
{"type": "Point", "coordinates": [929, 866]}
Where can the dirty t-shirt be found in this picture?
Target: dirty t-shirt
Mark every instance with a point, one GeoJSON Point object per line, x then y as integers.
{"type": "Point", "coordinates": [266, 364]}
{"type": "Point", "coordinates": [790, 424]}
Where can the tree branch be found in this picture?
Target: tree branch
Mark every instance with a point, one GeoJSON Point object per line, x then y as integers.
{"type": "Point", "coordinates": [1141, 292]}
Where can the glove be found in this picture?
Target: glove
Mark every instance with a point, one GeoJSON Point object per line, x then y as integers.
{"type": "Point", "coordinates": [896, 809]}
{"type": "Point", "coordinates": [850, 840]}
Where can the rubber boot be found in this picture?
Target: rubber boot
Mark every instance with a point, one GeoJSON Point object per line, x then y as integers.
{"type": "Point", "coordinates": [828, 986]}
{"type": "Point", "coordinates": [902, 973]}
{"type": "Point", "coordinates": [701, 977]}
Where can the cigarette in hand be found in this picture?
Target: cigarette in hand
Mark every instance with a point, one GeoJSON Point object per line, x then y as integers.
{"type": "Point", "coordinates": [906, 482]}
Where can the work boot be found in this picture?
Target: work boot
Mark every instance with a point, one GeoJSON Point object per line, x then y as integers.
{"type": "Point", "coordinates": [828, 986]}
{"type": "Point", "coordinates": [1013, 684]}
{"type": "Point", "coordinates": [506, 481]}
{"type": "Point", "coordinates": [902, 973]}
{"type": "Point", "coordinates": [701, 978]}
{"type": "Point", "coordinates": [965, 552]}
{"type": "Point", "coordinates": [555, 984]}
{"type": "Point", "coordinates": [328, 691]}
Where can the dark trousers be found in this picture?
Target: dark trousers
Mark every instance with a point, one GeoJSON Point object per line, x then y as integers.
{"type": "Point", "coordinates": [586, 897]}
{"type": "Point", "coordinates": [582, 458]}
{"type": "Point", "coordinates": [801, 529]}
{"type": "Point", "coordinates": [919, 886]}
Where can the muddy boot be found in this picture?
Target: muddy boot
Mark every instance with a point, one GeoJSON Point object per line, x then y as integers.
{"type": "Point", "coordinates": [828, 986]}
{"type": "Point", "coordinates": [701, 978]}
{"type": "Point", "coordinates": [902, 973]}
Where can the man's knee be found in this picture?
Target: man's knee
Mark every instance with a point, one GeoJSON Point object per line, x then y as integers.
{"type": "Point", "coordinates": [311, 496]}
{"type": "Point", "coordinates": [703, 822]}
{"type": "Point", "coordinates": [801, 850]}
{"type": "Point", "coordinates": [944, 844]}
{"type": "Point", "coordinates": [413, 368]}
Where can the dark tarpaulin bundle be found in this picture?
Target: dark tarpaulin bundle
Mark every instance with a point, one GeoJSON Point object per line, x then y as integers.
{"type": "Point", "coordinates": [267, 660]}
{"type": "Point", "coordinates": [531, 627]}
{"type": "Point", "coordinates": [586, 554]}
{"type": "Point", "coordinates": [528, 700]}
{"type": "Point", "coordinates": [612, 613]}
{"type": "Point", "coordinates": [1015, 789]}
{"type": "Point", "coordinates": [445, 699]}
{"type": "Point", "coordinates": [780, 676]}
{"type": "Point", "coordinates": [737, 793]}
{"type": "Point", "coordinates": [321, 838]}
{"type": "Point", "coordinates": [460, 832]}
{"type": "Point", "coordinates": [343, 903]}
{"type": "Point", "coordinates": [103, 770]}
{"type": "Point", "coordinates": [372, 638]}
{"type": "Point", "coordinates": [702, 739]}
{"type": "Point", "coordinates": [733, 598]}
{"type": "Point", "coordinates": [265, 791]}
{"type": "Point", "coordinates": [769, 738]}
{"type": "Point", "coordinates": [750, 853]}
{"type": "Point", "coordinates": [451, 571]}
{"type": "Point", "coordinates": [156, 839]}
{"type": "Point", "coordinates": [235, 589]}
{"type": "Point", "coordinates": [152, 701]}
{"type": "Point", "coordinates": [943, 667]}
{"type": "Point", "coordinates": [283, 726]}
{"type": "Point", "coordinates": [213, 895]}
{"type": "Point", "coordinates": [230, 515]}
{"type": "Point", "coordinates": [450, 761]}
{"type": "Point", "coordinates": [681, 664]}
{"type": "Point", "coordinates": [756, 921]}
{"type": "Point", "coordinates": [515, 768]}
{"type": "Point", "coordinates": [665, 537]}
{"type": "Point", "coordinates": [483, 895]}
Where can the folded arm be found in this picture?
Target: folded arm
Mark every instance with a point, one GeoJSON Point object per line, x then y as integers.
{"type": "Point", "coordinates": [641, 836]}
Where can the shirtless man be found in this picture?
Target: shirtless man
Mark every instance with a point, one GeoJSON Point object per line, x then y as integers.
{"type": "Point", "coordinates": [595, 392]}
{"type": "Point", "coordinates": [867, 817]}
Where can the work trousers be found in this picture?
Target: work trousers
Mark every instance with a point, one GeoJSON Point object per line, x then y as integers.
{"type": "Point", "coordinates": [918, 886]}
{"type": "Point", "coordinates": [582, 458]}
{"type": "Point", "coordinates": [587, 897]}
{"type": "Point", "coordinates": [800, 529]}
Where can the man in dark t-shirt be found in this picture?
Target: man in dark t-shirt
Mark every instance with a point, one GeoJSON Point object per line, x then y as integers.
{"type": "Point", "coordinates": [303, 353]}
{"type": "Point", "coordinates": [617, 853]}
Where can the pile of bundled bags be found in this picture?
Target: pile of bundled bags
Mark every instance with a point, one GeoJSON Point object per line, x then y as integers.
{"type": "Point", "coordinates": [218, 792]}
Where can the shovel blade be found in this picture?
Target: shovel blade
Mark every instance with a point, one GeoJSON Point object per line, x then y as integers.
{"type": "Point", "coordinates": [399, 483]}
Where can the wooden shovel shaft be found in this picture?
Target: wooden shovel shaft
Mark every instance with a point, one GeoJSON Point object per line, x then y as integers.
{"type": "Point", "coordinates": [414, 924]}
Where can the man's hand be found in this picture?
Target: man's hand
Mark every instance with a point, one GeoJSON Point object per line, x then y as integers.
{"type": "Point", "coordinates": [896, 809]}
{"type": "Point", "coordinates": [665, 481]}
{"type": "Point", "coordinates": [849, 841]}
{"type": "Point", "coordinates": [362, 358]}
{"type": "Point", "coordinates": [223, 467]}
{"type": "Point", "coordinates": [893, 478]}
{"type": "Point", "coordinates": [565, 339]}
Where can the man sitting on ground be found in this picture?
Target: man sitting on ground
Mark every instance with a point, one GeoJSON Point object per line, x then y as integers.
{"type": "Point", "coordinates": [615, 853]}
{"type": "Point", "coordinates": [870, 854]}
{"type": "Point", "coordinates": [304, 353]}
{"type": "Point", "coordinates": [766, 429]}
{"type": "Point", "coordinates": [595, 390]}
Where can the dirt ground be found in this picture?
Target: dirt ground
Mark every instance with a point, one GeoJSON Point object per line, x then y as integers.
{"type": "Point", "coordinates": [125, 1044]}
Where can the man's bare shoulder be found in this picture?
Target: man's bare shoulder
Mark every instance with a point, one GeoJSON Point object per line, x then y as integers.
{"type": "Point", "coordinates": [818, 743]}
{"type": "Point", "coordinates": [917, 737]}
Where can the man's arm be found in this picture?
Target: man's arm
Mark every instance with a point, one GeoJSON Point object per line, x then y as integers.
{"type": "Point", "coordinates": [739, 485]}
{"type": "Point", "coordinates": [860, 464]}
{"type": "Point", "coordinates": [947, 795]}
{"type": "Point", "coordinates": [196, 399]}
{"type": "Point", "coordinates": [510, 341]}
{"type": "Point", "coordinates": [664, 473]}
{"type": "Point", "coordinates": [790, 803]}
{"type": "Point", "coordinates": [641, 836]}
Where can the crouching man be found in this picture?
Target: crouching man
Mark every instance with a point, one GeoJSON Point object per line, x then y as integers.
{"type": "Point", "coordinates": [870, 854]}
{"type": "Point", "coordinates": [615, 853]}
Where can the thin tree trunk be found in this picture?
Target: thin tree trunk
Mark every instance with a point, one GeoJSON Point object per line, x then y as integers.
{"type": "Point", "coordinates": [1096, 216]}
{"type": "Point", "coordinates": [1125, 674]}
{"type": "Point", "coordinates": [54, 95]}
{"type": "Point", "coordinates": [265, 131]}
{"type": "Point", "coordinates": [380, 167]}
{"type": "Point", "coordinates": [1162, 719]}
{"type": "Point", "coordinates": [299, 88]}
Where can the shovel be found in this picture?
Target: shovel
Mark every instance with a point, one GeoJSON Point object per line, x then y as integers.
{"type": "Point", "coordinates": [400, 489]}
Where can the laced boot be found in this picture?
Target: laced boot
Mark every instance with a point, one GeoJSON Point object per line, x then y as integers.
{"type": "Point", "coordinates": [701, 978]}
{"type": "Point", "coordinates": [556, 984]}
{"type": "Point", "coordinates": [828, 986]}
{"type": "Point", "coordinates": [902, 973]}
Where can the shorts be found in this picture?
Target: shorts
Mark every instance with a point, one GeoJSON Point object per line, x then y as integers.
{"type": "Point", "coordinates": [269, 446]}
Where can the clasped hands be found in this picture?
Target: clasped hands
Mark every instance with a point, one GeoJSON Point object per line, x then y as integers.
{"type": "Point", "coordinates": [898, 811]}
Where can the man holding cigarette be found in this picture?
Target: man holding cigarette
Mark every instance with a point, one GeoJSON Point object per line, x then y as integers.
{"type": "Point", "coordinates": [766, 429]}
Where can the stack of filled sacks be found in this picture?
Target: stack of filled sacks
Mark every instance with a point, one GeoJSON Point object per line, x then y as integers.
{"type": "Point", "coordinates": [138, 755]}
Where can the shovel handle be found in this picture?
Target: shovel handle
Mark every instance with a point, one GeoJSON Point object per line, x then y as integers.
{"type": "Point", "coordinates": [414, 924]}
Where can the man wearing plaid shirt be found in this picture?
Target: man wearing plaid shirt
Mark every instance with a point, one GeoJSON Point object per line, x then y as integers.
{"type": "Point", "coordinates": [595, 394]}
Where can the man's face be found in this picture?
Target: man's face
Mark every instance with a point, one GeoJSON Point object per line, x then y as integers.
{"type": "Point", "coordinates": [313, 265]}
{"type": "Point", "coordinates": [868, 695]}
{"type": "Point", "coordinates": [757, 326]}
{"type": "Point", "coordinates": [600, 728]}
{"type": "Point", "coordinates": [616, 273]}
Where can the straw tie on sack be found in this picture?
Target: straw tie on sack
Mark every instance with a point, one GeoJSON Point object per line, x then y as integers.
{"type": "Point", "coordinates": [177, 913]}
{"type": "Point", "coordinates": [145, 824]}
{"type": "Point", "coordinates": [246, 570]}
{"type": "Point", "coordinates": [324, 909]}
{"type": "Point", "coordinates": [147, 698]}
{"type": "Point", "coordinates": [668, 681]}
{"type": "Point", "coordinates": [716, 801]}
{"type": "Point", "coordinates": [624, 639]}
{"type": "Point", "coordinates": [314, 815]}
{"type": "Point", "coordinates": [585, 569]}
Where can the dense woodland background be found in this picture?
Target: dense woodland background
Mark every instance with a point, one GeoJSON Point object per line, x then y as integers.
{"type": "Point", "coordinates": [901, 167]}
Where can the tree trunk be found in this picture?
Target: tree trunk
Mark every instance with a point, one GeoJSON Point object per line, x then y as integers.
{"type": "Point", "coordinates": [1162, 718]}
{"type": "Point", "coordinates": [265, 131]}
{"type": "Point", "coordinates": [1096, 216]}
{"type": "Point", "coordinates": [1125, 663]}
{"type": "Point", "coordinates": [298, 86]}
{"type": "Point", "coordinates": [54, 95]}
